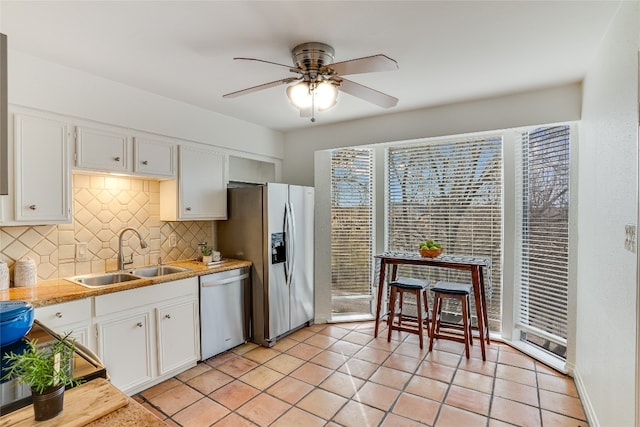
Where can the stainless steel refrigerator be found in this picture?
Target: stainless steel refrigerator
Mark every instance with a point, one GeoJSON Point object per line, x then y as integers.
{"type": "Point", "coordinates": [271, 225]}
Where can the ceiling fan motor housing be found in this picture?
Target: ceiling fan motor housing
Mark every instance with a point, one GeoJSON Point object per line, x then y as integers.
{"type": "Point", "coordinates": [312, 56]}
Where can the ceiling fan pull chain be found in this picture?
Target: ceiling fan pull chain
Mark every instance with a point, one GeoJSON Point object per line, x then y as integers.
{"type": "Point", "coordinates": [313, 104]}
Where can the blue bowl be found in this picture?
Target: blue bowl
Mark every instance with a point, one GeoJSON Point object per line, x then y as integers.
{"type": "Point", "coordinates": [16, 321]}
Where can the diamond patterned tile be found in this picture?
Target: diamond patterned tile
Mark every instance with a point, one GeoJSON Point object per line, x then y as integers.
{"type": "Point", "coordinates": [102, 207]}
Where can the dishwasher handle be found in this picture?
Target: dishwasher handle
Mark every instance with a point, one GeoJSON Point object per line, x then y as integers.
{"type": "Point", "coordinates": [207, 283]}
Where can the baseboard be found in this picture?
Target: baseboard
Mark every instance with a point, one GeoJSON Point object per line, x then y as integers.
{"type": "Point", "coordinates": [589, 411]}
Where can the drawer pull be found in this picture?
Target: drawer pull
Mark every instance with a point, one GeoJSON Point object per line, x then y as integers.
{"type": "Point", "coordinates": [188, 208]}
{"type": "Point", "coordinates": [117, 159]}
{"type": "Point", "coordinates": [32, 207]}
{"type": "Point", "coordinates": [144, 162]}
{"type": "Point", "coordinates": [59, 315]}
{"type": "Point", "coordinates": [139, 325]}
{"type": "Point", "coordinates": [167, 316]}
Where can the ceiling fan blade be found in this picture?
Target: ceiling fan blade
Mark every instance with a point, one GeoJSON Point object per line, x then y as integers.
{"type": "Point", "coordinates": [260, 87]}
{"type": "Point", "coordinates": [288, 67]}
{"type": "Point", "coordinates": [371, 95]}
{"type": "Point", "coordinates": [368, 64]}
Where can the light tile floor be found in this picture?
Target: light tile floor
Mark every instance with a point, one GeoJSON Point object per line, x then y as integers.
{"type": "Point", "coordinates": [339, 375]}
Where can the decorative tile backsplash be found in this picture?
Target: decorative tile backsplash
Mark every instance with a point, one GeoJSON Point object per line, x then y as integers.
{"type": "Point", "coordinates": [102, 207]}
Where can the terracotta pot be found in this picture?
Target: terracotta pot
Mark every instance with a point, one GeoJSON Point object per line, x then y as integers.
{"type": "Point", "coordinates": [49, 403]}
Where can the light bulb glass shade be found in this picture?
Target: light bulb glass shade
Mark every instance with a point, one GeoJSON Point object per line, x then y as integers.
{"type": "Point", "coordinates": [326, 95]}
{"type": "Point", "coordinates": [299, 95]}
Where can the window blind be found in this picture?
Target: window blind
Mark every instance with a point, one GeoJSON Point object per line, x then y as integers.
{"type": "Point", "coordinates": [543, 220]}
{"type": "Point", "coordinates": [352, 227]}
{"type": "Point", "coordinates": [451, 192]}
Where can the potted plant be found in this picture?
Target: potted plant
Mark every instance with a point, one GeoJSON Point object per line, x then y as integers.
{"type": "Point", "coordinates": [206, 252]}
{"type": "Point", "coordinates": [47, 370]}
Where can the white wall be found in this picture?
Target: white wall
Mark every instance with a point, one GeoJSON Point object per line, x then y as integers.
{"type": "Point", "coordinates": [606, 359]}
{"type": "Point", "coordinates": [531, 108]}
{"type": "Point", "coordinates": [39, 84]}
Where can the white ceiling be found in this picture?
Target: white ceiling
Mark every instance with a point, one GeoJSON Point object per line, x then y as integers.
{"type": "Point", "coordinates": [447, 51]}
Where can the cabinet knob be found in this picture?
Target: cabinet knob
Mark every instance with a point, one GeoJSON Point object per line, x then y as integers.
{"type": "Point", "coordinates": [188, 208]}
{"type": "Point", "coordinates": [117, 159]}
{"type": "Point", "coordinates": [58, 315]}
{"type": "Point", "coordinates": [144, 162]}
{"type": "Point", "coordinates": [167, 316]}
{"type": "Point", "coordinates": [32, 207]}
{"type": "Point", "coordinates": [139, 325]}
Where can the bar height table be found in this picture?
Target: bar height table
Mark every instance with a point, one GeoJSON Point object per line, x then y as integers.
{"type": "Point", "coordinates": [475, 265]}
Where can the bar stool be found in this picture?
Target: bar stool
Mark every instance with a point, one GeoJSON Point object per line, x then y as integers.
{"type": "Point", "coordinates": [461, 292]}
{"type": "Point", "coordinates": [419, 289]}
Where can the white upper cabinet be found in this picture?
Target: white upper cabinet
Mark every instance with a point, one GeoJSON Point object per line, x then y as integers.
{"type": "Point", "coordinates": [42, 170]}
{"type": "Point", "coordinates": [102, 150]}
{"type": "Point", "coordinates": [200, 192]}
{"type": "Point", "coordinates": [112, 149]}
{"type": "Point", "coordinates": [154, 158]}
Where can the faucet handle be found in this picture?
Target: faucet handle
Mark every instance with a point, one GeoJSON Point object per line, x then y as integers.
{"type": "Point", "coordinates": [125, 262]}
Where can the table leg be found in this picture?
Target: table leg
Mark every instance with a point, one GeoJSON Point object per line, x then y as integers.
{"type": "Point", "coordinates": [383, 267]}
{"type": "Point", "coordinates": [484, 304]}
{"type": "Point", "coordinates": [478, 292]}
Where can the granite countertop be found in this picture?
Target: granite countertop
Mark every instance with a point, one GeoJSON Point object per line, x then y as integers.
{"type": "Point", "coordinates": [60, 290]}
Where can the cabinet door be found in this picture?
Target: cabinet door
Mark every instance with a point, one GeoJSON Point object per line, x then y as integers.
{"type": "Point", "coordinates": [42, 170]}
{"type": "Point", "coordinates": [102, 150]}
{"type": "Point", "coordinates": [124, 345]}
{"type": "Point", "coordinates": [178, 337]}
{"type": "Point", "coordinates": [203, 184]}
{"type": "Point", "coordinates": [154, 158]}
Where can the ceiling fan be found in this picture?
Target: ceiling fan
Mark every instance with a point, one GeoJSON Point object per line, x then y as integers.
{"type": "Point", "coordinates": [319, 78]}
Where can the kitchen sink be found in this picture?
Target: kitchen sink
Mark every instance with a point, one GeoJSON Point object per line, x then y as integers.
{"type": "Point", "coordinates": [103, 279]}
{"type": "Point", "coordinates": [107, 279]}
{"type": "Point", "coordinates": [157, 270]}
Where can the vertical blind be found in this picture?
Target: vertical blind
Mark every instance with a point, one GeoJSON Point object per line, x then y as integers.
{"type": "Point", "coordinates": [451, 192]}
{"type": "Point", "coordinates": [352, 227]}
{"type": "Point", "coordinates": [543, 221]}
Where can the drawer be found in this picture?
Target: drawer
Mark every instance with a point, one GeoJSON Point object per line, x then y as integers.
{"type": "Point", "coordinates": [145, 296]}
{"type": "Point", "coordinates": [56, 315]}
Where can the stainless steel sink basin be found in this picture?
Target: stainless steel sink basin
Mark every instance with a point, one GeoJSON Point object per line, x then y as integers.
{"type": "Point", "coordinates": [103, 279]}
{"type": "Point", "coordinates": [157, 270]}
{"type": "Point", "coordinates": [106, 279]}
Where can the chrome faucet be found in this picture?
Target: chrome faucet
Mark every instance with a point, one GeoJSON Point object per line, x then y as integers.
{"type": "Point", "coordinates": [121, 261]}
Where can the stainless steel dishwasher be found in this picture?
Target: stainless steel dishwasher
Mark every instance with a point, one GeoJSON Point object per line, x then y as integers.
{"type": "Point", "coordinates": [224, 313]}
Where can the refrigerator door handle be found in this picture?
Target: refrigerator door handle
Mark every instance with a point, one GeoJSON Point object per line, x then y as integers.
{"type": "Point", "coordinates": [292, 241]}
{"type": "Point", "coordinates": [289, 238]}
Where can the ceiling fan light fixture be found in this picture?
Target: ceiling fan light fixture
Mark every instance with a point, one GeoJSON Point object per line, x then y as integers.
{"type": "Point", "coordinates": [302, 95]}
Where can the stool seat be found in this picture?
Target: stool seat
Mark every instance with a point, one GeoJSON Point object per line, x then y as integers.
{"type": "Point", "coordinates": [461, 292]}
{"type": "Point", "coordinates": [410, 283]}
{"type": "Point", "coordinates": [418, 288]}
{"type": "Point", "coordinates": [452, 288]}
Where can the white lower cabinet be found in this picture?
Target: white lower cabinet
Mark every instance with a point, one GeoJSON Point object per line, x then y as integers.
{"type": "Point", "coordinates": [125, 348]}
{"type": "Point", "coordinates": [177, 338]}
{"type": "Point", "coordinates": [148, 334]}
